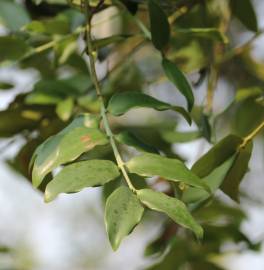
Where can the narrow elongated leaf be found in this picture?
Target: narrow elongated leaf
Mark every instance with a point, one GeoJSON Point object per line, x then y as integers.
{"type": "Point", "coordinates": [175, 75]}
{"type": "Point", "coordinates": [79, 137]}
{"type": "Point", "coordinates": [236, 173]}
{"type": "Point", "coordinates": [245, 12]}
{"type": "Point", "coordinates": [159, 25]}
{"type": "Point", "coordinates": [128, 138]}
{"type": "Point", "coordinates": [79, 175]}
{"type": "Point", "coordinates": [123, 212]}
{"type": "Point", "coordinates": [171, 169]}
{"type": "Point", "coordinates": [123, 102]}
{"type": "Point", "coordinates": [213, 180]}
{"type": "Point", "coordinates": [216, 155]}
{"type": "Point", "coordinates": [100, 43]}
{"type": "Point", "coordinates": [172, 207]}
{"type": "Point", "coordinates": [6, 86]}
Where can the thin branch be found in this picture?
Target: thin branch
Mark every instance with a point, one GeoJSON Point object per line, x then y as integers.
{"type": "Point", "coordinates": [97, 86]}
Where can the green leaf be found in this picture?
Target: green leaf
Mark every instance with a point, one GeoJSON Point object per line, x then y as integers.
{"type": "Point", "coordinates": [58, 25]}
{"type": "Point", "coordinates": [79, 175]}
{"type": "Point", "coordinates": [172, 207]}
{"type": "Point", "coordinates": [16, 48]}
{"type": "Point", "coordinates": [171, 169]}
{"type": "Point", "coordinates": [128, 138]}
{"type": "Point", "coordinates": [249, 92]}
{"type": "Point", "coordinates": [213, 180]}
{"type": "Point", "coordinates": [6, 86]}
{"type": "Point", "coordinates": [244, 11]}
{"type": "Point", "coordinates": [79, 137]}
{"type": "Point", "coordinates": [175, 75]}
{"type": "Point", "coordinates": [236, 173]}
{"type": "Point", "coordinates": [121, 103]}
{"type": "Point", "coordinates": [210, 33]}
{"type": "Point", "coordinates": [159, 25]}
{"type": "Point", "coordinates": [13, 15]}
{"type": "Point", "coordinates": [180, 137]}
{"type": "Point", "coordinates": [218, 154]}
{"type": "Point", "coordinates": [64, 109]}
{"type": "Point", "coordinates": [123, 212]}
{"type": "Point", "coordinates": [15, 120]}
{"type": "Point", "coordinates": [103, 42]}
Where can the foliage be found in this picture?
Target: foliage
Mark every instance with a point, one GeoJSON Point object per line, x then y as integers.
{"type": "Point", "coordinates": [71, 118]}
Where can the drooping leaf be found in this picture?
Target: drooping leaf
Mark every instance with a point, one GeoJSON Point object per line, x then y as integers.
{"type": "Point", "coordinates": [79, 175]}
{"type": "Point", "coordinates": [218, 154]}
{"type": "Point", "coordinates": [123, 212]}
{"type": "Point", "coordinates": [171, 169]}
{"type": "Point", "coordinates": [245, 12]}
{"type": "Point", "coordinates": [159, 25]}
{"type": "Point", "coordinates": [175, 75]}
{"type": "Point", "coordinates": [128, 138]}
{"type": "Point", "coordinates": [172, 207]}
{"type": "Point", "coordinates": [13, 15]}
{"type": "Point", "coordinates": [213, 180]}
{"type": "Point", "coordinates": [64, 109]}
{"type": "Point", "coordinates": [123, 102]}
{"type": "Point", "coordinates": [231, 183]}
{"type": "Point", "coordinates": [79, 137]}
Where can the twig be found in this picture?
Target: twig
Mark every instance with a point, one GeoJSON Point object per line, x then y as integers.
{"type": "Point", "coordinates": [97, 86]}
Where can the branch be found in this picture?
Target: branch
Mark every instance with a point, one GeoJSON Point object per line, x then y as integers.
{"type": "Point", "coordinates": [97, 86]}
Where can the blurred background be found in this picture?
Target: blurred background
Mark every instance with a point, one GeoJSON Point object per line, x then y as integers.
{"type": "Point", "coordinates": [69, 233]}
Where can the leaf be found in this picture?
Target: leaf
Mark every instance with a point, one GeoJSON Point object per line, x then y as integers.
{"type": "Point", "coordinates": [58, 25]}
{"type": "Point", "coordinates": [211, 33]}
{"type": "Point", "coordinates": [13, 121]}
{"type": "Point", "coordinates": [128, 138]}
{"type": "Point", "coordinates": [180, 137]}
{"type": "Point", "coordinates": [79, 175]}
{"type": "Point", "coordinates": [13, 15]}
{"type": "Point", "coordinates": [171, 169]}
{"type": "Point", "coordinates": [244, 11]}
{"type": "Point", "coordinates": [205, 127]}
{"type": "Point", "coordinates": [16, 48]}
{"type": "Point", "coordinates": [103, 42]}
{"type": "Point", "coordinates": [231, 183]}
{"type": "Point", "coordinates": [79, 137]}
{"type": "Point", "coordinates": [6, 86]}
{"type": "Point", "coordinates": [249, 92]}
{"type": "Point", "coordinates": [64, 109]}
{"type": "Point", "coordinates": [49, 92]}
{"type": "Point", "coordinates": [172, 207]}
{"type": "Point", "coordinates": [159, 25]}
{"type": "Point", "coordinates": [213, 180]}
{"type": "Point", "coordinates": [175, 75]}
{"type": "Point", "coordinates": [123, 212]}
{"type": "Point", "coordinates": [216, 155]}
{"type": "Point", "coordinates": [121, 103]}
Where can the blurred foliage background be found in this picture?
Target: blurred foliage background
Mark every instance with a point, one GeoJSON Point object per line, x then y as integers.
{"type": "Point", "coordinates": [213, 41]}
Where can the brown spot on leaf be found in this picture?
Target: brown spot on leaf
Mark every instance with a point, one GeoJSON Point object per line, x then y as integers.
{"type": "Point", "coordinates": [85, 138]}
